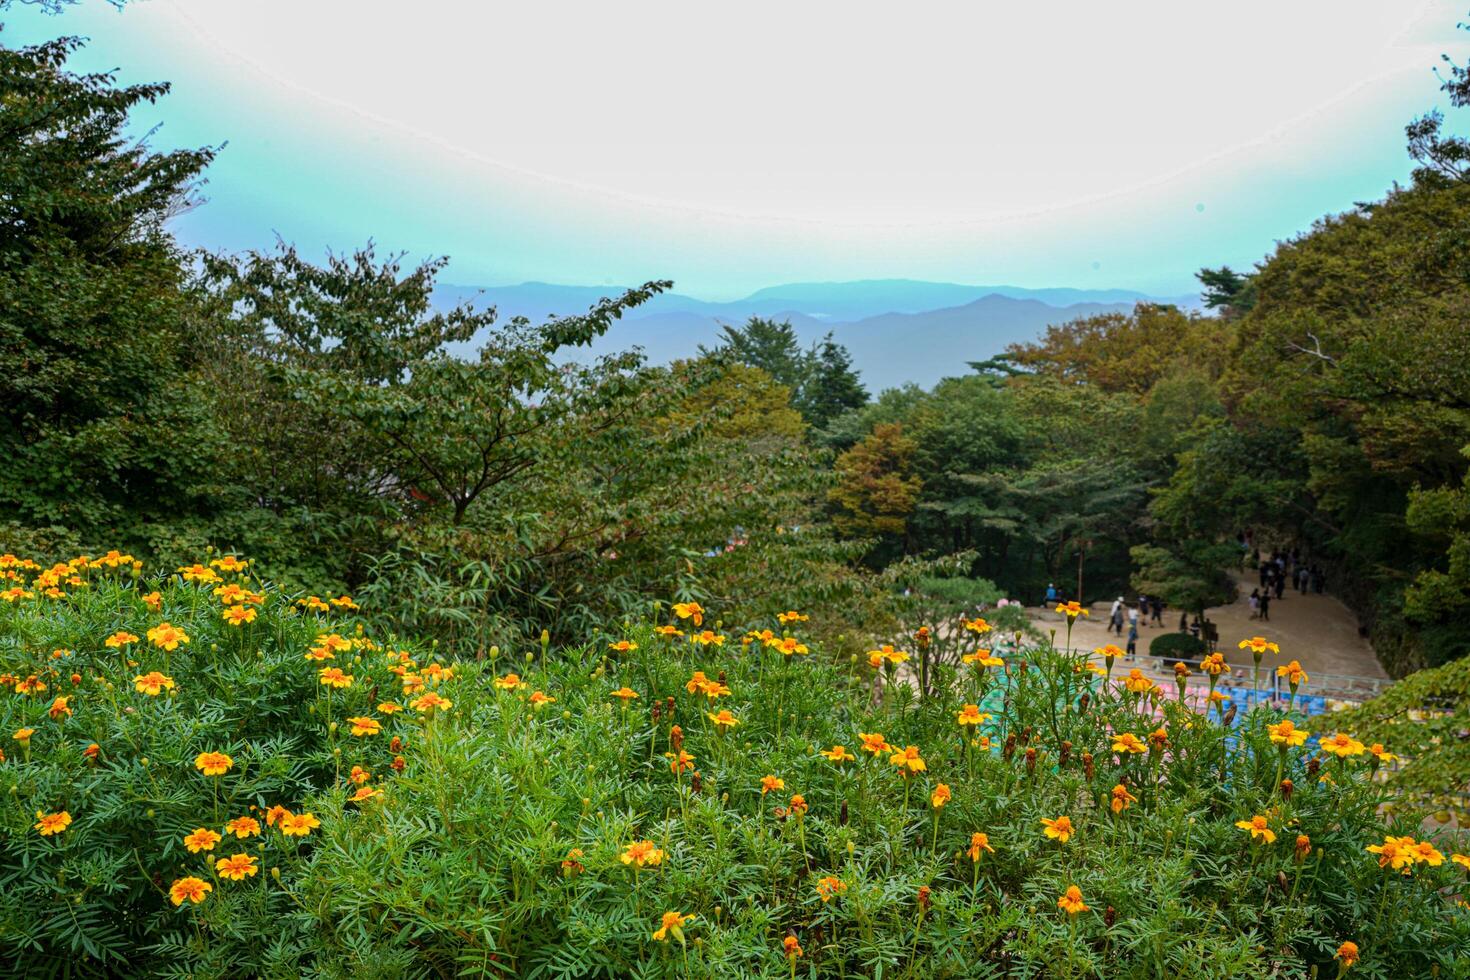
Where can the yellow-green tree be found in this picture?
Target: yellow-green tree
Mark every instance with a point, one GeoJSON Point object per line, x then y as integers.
{"type": "Point", "coordinates": [876, 489]}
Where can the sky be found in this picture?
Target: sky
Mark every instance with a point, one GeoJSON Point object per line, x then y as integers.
{"type": "Point", "coordinates": [730, 147]}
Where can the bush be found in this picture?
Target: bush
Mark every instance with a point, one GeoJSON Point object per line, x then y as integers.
{"type": "Point", "coordinates": [507, 843]}
{"type": "Point", "coordinates": [1177, 646]}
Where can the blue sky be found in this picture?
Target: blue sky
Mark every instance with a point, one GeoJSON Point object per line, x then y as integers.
{"type": "Point", "coordinates": [729, 148]}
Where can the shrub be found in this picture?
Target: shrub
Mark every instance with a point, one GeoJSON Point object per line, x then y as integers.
{"type": "Point", "coordinates": [1177, 646]}
{"type": "Point", "coordinates": [509, 842]}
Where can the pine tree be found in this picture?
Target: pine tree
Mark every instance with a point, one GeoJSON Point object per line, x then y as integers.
{"type": "Point", "coordinates": [831, 386]}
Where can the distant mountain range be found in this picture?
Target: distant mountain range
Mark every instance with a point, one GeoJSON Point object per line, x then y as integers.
{"type": "Point", "coordinates": [898, 330]}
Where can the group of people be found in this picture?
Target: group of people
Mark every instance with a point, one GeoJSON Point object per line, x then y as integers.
{"type": "Point", "coordinates": [1275, 572]}
{"type": "Point", "coordinates": [1147, 609]}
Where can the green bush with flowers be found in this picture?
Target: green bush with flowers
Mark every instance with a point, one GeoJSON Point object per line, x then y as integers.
{"type": "Point", "coordinates": [302, 794]}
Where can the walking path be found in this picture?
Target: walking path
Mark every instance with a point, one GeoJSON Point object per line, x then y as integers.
{"type": "Point", "coordinates": [1317, 630]}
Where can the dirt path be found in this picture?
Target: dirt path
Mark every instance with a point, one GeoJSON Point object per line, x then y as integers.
{"type": "Point", "coordinates": [1317, 630]}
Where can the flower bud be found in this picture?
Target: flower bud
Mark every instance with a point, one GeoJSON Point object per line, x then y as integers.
{"type": "Point", "coordinates": [1110, 915]}
{"type": "Point", "coordinates": [1065, 754]}
{"type": "Point", "coordinates": [1286, 789]}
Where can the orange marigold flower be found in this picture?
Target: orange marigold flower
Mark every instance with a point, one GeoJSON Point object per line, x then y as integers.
{"type": "Point", "coordinates": [791, 616]}
{"type": "Point", "coordinates": [238, 867]}
{"type": "Point", "coordinates": [213, 763]}
{"type": "Point", "coordinates": [1396, 853]}
{"type": "Point", "coordinates": [723, 721]}
{"type": "Point", "coordinates": [672, 924]}
{"type": "Point", "coordinates": [982, 658]}
{"type": "Point", "coordinates": [771, 783]}
{"type": "Point", "coordinates": [166, 636]}
{"type": "Point", "coordinates": [1348, 954]}
{"type": "Point", "coordinates": [977, 625]}
{"type": "Point", "coordinates": [120, 639]}
{"type": "Point", "coordinates": [508, 683]}
{"type": "Point", "coordinates": [1060, 829]}
{"type": "Point", "coordinates": [829, 888]}
{"type": "Point", "coordinates": [153, 683]}
{"type": "Point", "coordinates": [364, 793]}
{"type": "Point", "coordinates": [1259, 645]}
{"type": "Point", "coordinates": [344, 602]}
{"type": "Point", "coordinates": [788, 645]}
{"type": "Point", "coordinates": [198, 573]}
{"type": "Point", "coordinates": [625, 693]}
{"type": "Point", "coordinates": [1426, 853]}
{"type": "Point", "coordinates": [668, 631]}
{"type": "Point", "coordinates": [971, 717]}
{"type": "Point", "coordinates": [798, 804]}
{"type": "Point", "coordinates": [707, 638]}
{"type": "Point", "coordinates": [690, 610]}
{"type": "Point", "coordinates": [908, 760]}
{"type": "Point", "coordinates": [940, 796]}
{"type": "Point", "coordinates": [1341, 745]}
{"type": "Point", "coordinates": [239, 615]}
{"type": "Point", "coordinates": [839, 754]}
{"type": "Point", "coordinates": [680, 762]}
{"type": "Point", "coordinates": [1258, 826]}
{"type": "Point", "coordinates": [153, 601]}
{"type": "Point", "coordinates": [334, 677]}
{"type": "Point", "coordinates": [1158, 739]}
{"type": "Point", "coordinates": [91, 751]}
{"type": "Point", "coordinates": [1303, 847]}
{"type": "Point", "coordinates": [1380, 754]}
{"type": "Point", "coordinates": [23, 735]}
{"type": "Point", "coordinates": [59, 708]}
{"type": "Point", "coordinates": [886, 654]}
{"type": "Point", "coordinates": [362, 726]}
{"type": "Point", "coordinates": [874, 743]}
{"type": "Point", "coordinates": [979, 842]}
{"type": "Point", "coordinates": [791, 948]}
{"type": "Point", "coordinates": [1214, 664]}
{"type": "Point", "coordinates": [1285, 733]}
{"type": "Point", "coordinates": [1293, 673]}
{"type": "Point", "coordinates": [430, 702]}
{"type": "Point", "coordinates": [298, 824]}
{"type": "Point", "coordinates": [202, 839]}
{"type": "Point", "coordinates": [191, 889]}
{"type": "Point", "coordinates": [1071, 901]}
{"type": "Point", "coordinates": [229, 563]}
{"type": "Point", "coordinates": [243, 827]}
{"type": "Point", "coordinates": [623, 646]}
{"type": "Point", "coordinates": [1137, 683]}
{"type": "Point", "coordinates": [1122, 799]}
{"type": "Point", "coordinates": [714, 689]}
{"type": "Point", "coordinates": [540, 699]}
{"type": "Point", "coordinates": [642, 853]}
{"type": "Point", "coordinates": [49, 824]}
{"type": "Point", "coordinates": [274, 814]}
{"type": "Point", "coordinates": [1072, 609]}
{"type": "Point", "coordinates": [388, 707]}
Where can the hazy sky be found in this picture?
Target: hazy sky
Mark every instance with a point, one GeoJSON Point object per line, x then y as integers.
{"type": "Point", "coordinates": [730, 147]}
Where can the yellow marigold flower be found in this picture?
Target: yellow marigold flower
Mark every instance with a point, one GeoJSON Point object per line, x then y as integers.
{"type": "Point", "coordinates": [313, 603]}
{"type": "Point", "coordinates": [12, 594]}
{"type": "Point", "coordinates": [1286, 733]}
{"type": "Point", "coordinates": [1182, 671]}
{"type": "Point", "coordinates": [153, 683]}
{"type": "Point", "coordinates": [229, 563]}
{"type": "Point", "coordinates": [1109, 650]}
{"type": "Point", "coordinates": [874, 743]}
{"type": "Point", "coordinates": [714, 689]}
{"type": "Point", "coordinates": [1059, 830]}
{"type": "Point", "coordinates": [680, 761]}
{"type": "Point", "coordinates": [344, 602]}
{"type": "Point", "coordinates": [940, 796]}
{"type": "Point", "coordinates": [540, 699]}
{"type": "Point", "coordinates": [1259, 645]}
{"type": "Point", "coordinates": [839, 754]}
{"type": "Point", "coordinates": [120, 639]}
{"type": "Point", "coordinates": [239, 615]}
{"type": "Point", "coordinates": [23, 735]}
{"type": "Point", "coordinates": [668, 631]}
{"type": "Point", "coordinates": [791, 616]}
{"type": "Point", "coordinates": [707, 638]}
{"type": "Point", "coordinates": [1122, 799]}
{"type": "Point", "coordinates": [788, 645]}
{"type": "Point", "coordinates": [977, 625]}
{"type": "Point", "coordinates": [31, 685]}
{"type": "Point", "coordinates": [236, 868]}
{"type": "Point", "coordinates": [334, 677]}
{"type": "Point", "coordinates": [359, 775]}
{"type": "Point", "coordinates": [362, 726]}
{"type": "Point", "coordinates": [982, 658]}
{"type": "Point", "coordinates": [198, 573]}
{"type": "Point", "coordinates": [908, 760]}
{"type": "Point", "coordinates": [1072, 609]}
{"type": "Point", "coordinates": [1071, 901]}
{"type": "Point", "coordinates": [886, 654]}
{"type": "Point", "coordinates": [791, 948]}
{"type": "Point", "coordinates": [298, 824]}
{"type": "Point", "coordinates": [697, 682]}
{"type": "Point", "coordinates": [691, 611]}
{"type": "Point", "coordinates": [49, 824]}
{"type": "Point", "coordinates": [430, 702]}
{"type": "Point", "coordinates": [364, 793]}
{"type": "Point", "coordinates": [625, 693]}
{"type": "Point", "coordinates": [1293, 673]}
{"type": "Point", "coordinates": [829, 888]}
{"type": "Point", "coordinates": [798, 805]}
{"type": "Point", "coordinates": [388, 707]}
{"type": "Point", "coordinates": [623, 646]}
{"type": "Point", "coordinates": [1258, 826]}
{"type": "Point", "coordinates": [243, 827]}
{"type": "Point", "coordinates": [202, 839]}
{"type": "Point", "coordinates": [231, 594]}
{"type": "Point", "coordinates": [642, 853]}
{"type": "Point", "coordinates": [672, 925]}
{"type": "Point", "coordinates": [1158, 739]}
{"type": "Point", "coordinates": [59, 708]}
{"type": "Point", "coordinates": [724, 721]}
{"type": "Point", "coordinates": [1214, 664]}
{"type": "Point", "coordinates": [274, 814]}
{"type": "Point", "coordinates": [213, 763]}
{"type": "Point", "coordinates": [191, 889]}
{"type": "Point", "coordinates": [1341, 745]}
{"type": "Point", "coordinates": [166, 636]}
{"type": "Point", "coordinates": [1137, 683]}
{"type": "Point", "coordinates": [770, 784]}
{"type": "Point", "coordinates": [979, 842]}
{"type": "Point", "coordinates": [1378, 752]}
{"type": "Point", "coordinates": [508, 683]}
{"type": "Point", "coordinates": [971, 717]}
{"type": "Point", "coordinates": [1348, 954]}
{"type": "Point", "coordinates": [153, 601]}
{"type": "Point", "coordinates": [1128, 742]}
{"type": "Point", "coordinates": [1463, 860]}
{"type": "Point", "coordinates": [1216, 698]}
{"type": "Point", "coordinates": [1396, 853]}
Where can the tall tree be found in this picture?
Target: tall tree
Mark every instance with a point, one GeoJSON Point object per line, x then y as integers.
{"type": "Point", "coordinates": [98, 425]}
{"type": "Point", "coordinates": [830, 385]}
{"type": "Point", "coordinates": [766, 344]}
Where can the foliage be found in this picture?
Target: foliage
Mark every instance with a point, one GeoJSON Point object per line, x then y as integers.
{"type": "Point", "coordinates": [1177, 646]}
{"type": "Point", "coordinates": [821, 380]}
{"type": "Point", "coordinates": [1190, 575]}
{"type": "Point", "coordinates": [502, 844]}
{"type": "Point", "coordinates": [876, 487]}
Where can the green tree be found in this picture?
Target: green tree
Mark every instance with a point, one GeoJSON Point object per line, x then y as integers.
{"type": "Point", "coordinates": [829, 386]}
{"type": "Point", "coordinates": [876, 489]}
{"type": "Point", "coordinates": [100, 423]}
{"type": "Point", "coordinates": [1226, 290]}
{"type": "Point", "coordinates": [766, 344]}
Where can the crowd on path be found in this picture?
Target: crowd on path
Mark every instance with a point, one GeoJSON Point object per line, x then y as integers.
{"type": "Point", "coordinates": [1275, 572]}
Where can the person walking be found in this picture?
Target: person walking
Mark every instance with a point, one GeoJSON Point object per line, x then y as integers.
{"type": "Point", "coordinates": [1266, 605]}
{"type": "Point", "coordinates": [1133, 640]}
{"type": "Point", "coordinates": [1115, 617]}
{"type": "Point", "coordinates": [1280, 582]}
{"type": "Point", "coordinates": [1157, 606]}
{"type": "Point", "coordinates": [1051, 594]}
{"type": "Point", "coordinates": [1255, 603]}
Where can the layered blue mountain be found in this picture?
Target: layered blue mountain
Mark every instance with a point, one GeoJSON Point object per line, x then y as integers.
{"type": "Point", "coordinates": [897, 330]}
